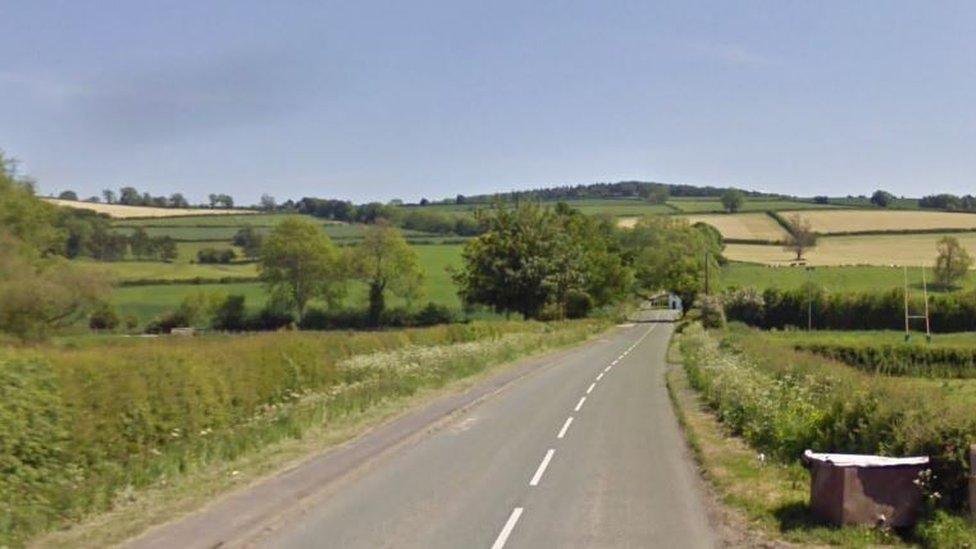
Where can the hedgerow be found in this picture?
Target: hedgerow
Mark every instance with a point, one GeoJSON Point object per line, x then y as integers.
{"type": "Point", "coordinates": [901, 360]}
{"type": "Point", "coordinates": [782, 401]}
{"type": "Point", "coordinates": [80, 425]}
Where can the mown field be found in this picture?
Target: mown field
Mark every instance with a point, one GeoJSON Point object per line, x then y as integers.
{"type": "Point", "coordinates": [911, 250]}
{"type": "Point", "coordinates": [834, 279]}
{"type": "Point", "coordinates": [714, 205]}
{"type": "Point", "coordinates": [119, 211]}
{"type": "Point", "coordinates": [750, 226]}
{"type": "Point", "coordinates": [847, 221]}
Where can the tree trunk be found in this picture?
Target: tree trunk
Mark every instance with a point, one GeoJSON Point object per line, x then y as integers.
{"type": "Point", "coordinates": [376, 303]}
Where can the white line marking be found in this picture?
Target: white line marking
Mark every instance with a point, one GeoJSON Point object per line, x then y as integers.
{"type": "Point", "coordinates": [590, 390]}
{"type": "Point", "coordinates": [507, 530]}
{"type": "Point", "coordinates": [600, 376]}
{"type": "Point", "coordinates": [614, 362]}
{"type": "Point", "coordinates": [607, 369]}
{"type": "Point", "coordinates": [579, 404]}
{"type": "Point", "coordinates": [562, 432]}
{"type": "Point", "coordinates": [542, 468]}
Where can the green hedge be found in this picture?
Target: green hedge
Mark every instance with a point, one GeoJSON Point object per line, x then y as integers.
{"type": "Point", "coordinates": [901, 360]}
{"type": "Point", "coordinates": [77, 425]}
{"type": "Point", "coordinates": [783, 402]}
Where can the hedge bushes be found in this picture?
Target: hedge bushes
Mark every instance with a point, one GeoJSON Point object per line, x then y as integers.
{"type": "Point", "coordinates": [774, 308]}
{"type": "Point", "coordinates": [77, 425]}
{"type": "Point", "coordinates": [783, 402]}
{"type": "Point", "coordinates": [901, 360]}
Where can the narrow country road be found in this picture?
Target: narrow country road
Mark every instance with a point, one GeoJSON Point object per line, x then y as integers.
{"type": "Point", "coordinates": [582, 451]}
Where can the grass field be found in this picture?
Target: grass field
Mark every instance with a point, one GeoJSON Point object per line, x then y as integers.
{"type": "Point", "coordinates": [148, 302]}
{"type": "Point", "coordinates": [236, 220]}
{"type": "Point", "coordinates": [747, 226]}
{"type": "Point", "coordinates": [870, 337]}
{"type": "Point", "coordinates": [122, 271]}
{"type": "Point", "coordinates": [621, 207]}
{"type": "Point", "coordinates": [844, 221]}
{"type": "Point", "coordinates": [835, 279]}
{"type": "Point", "coordinates": [119, 211]}
{"type": "Point", "coordinates": [714, 205]}
{"type": "Point", "coordinates": [897, 249]}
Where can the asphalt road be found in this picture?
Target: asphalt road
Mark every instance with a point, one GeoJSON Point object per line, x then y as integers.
{"type": "Point", "coordinates": [583, 450]}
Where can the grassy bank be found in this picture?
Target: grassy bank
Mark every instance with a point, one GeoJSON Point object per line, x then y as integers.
{"type": "Point", "coordinates": [85, 425]}
{"type": "Point", "coordinates": [833, 279]}
{"type": "Point", "coordinates": [781, 402]}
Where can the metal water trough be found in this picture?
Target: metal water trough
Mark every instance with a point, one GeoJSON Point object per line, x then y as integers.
{"type": "Point", "coordinates": [855, 489]}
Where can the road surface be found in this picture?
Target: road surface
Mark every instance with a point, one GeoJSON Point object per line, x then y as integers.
{"type": "Point", "coordinates": [581, 450]}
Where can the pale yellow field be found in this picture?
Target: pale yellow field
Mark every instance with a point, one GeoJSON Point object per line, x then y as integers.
{"type": "Point", "coordinates": [118, 211]}
{"type": "Point", "coordinates": [744, 226]}
{"type": "Point", "coordinates": [835, 221]}
{"type": "Point", "coordinates": [911, 250]}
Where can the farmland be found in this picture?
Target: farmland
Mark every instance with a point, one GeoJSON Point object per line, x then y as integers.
{"type": "Point", "coordinates": [714, 205]}
{"type": "Point", "coordinates": [855, 221]}
{"type": "Point", "coordinates": [831, 278]}
{"type": "Point", "coordinates": [749, 226]}
{"type": "Point", "coordinates": [890, 249]}
{"type": "Point", "coordinates": [119, 211]}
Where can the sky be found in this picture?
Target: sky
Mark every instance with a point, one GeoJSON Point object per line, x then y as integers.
{"type": "Point", "coordinates": [381, 100]}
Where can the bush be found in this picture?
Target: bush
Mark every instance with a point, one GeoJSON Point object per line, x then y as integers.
{"type": "Point", "coordinates": [230, 314]}
{"type": "Point", "coordinates": [215, 255]}
{"type": "Point", "coordinates": [104, 317]}
{"type": "Point", "coordinates": [397, 317]}
{"type": "Point", "coordinates": [901, 360]}
{"type": "Point", "coordinates": [712, 314]}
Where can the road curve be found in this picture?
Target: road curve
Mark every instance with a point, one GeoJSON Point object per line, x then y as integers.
{"type": "Point", "coordinates": [583, 451]}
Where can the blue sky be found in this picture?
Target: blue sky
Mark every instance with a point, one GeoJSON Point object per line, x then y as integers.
{"type": "Point", "coordinates": [380, 100]}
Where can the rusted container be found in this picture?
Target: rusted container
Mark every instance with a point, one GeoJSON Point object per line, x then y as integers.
{"type": "Point", "coordinates": [855, 489]}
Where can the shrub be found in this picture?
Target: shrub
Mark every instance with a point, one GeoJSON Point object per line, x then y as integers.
{"type": "Point", "coordinates": [901, 360]}
{"type": "Point", "coordinates": [712, 313]}
{"type": "Point", "coordinates": [230, 314]}
{"type": "Point", "coordinates": [215, 255]}
{"type": "Point", "coordinates": [104, 317]}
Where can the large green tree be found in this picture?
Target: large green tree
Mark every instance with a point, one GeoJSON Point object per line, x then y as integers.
{"type": "Point", "coordinates": [732, 200]}
{"type": "Point", "coordinates": [385, 262]}
{"type": "Point", "coordinates": [668, 254]}
{"type": "Point", "coordinates": [541, 262]}
{"type": "Point", "coordinates": [952, 262]}
{"type": "Point", "coordinates": [299, 263]}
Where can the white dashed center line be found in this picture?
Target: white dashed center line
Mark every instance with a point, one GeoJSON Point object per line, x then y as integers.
{"type": "Point", "coordinates": [579, 404]}
{"type": "Point", "coordinates": [600, 376]}
{"type": "Point", "coordinates": [562, 432]}
{"type": "Point", "coordinates": [542, 468]}
{"type": "Point", "coordinates": [590, 390]}
{"type": "Point", "coordinates": [507, 530]}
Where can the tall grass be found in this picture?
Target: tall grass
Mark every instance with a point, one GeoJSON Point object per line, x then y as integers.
{"type": "Point", "coordinates": [80, 426]}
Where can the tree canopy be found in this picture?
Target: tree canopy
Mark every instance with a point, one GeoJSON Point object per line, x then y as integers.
{"type": "Point", "coordinates": [299, 263]}
{"type": "Point", "coordinates": [386, 263]}
{"type": "Point", "coordinates": [952, 262]}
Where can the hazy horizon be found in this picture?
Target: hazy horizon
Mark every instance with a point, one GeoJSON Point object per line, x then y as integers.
{"type": "Point", "coordinates": [375, 102]}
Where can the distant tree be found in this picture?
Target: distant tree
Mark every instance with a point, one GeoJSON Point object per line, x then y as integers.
{"type": "Point", "coordinates": [882, 198]}
{"type": "Point", "coordinates": [801, 236]}
{"type": "Point", "coordinates": [732, 200]}
{"type": "Point", "coordinates": [129, 196]}
{"type": "Point", "coordinates": [299, 263]}
{"type": "Point", "coordinates": [215, 255]}
{"type": "Point", "coordinates": [821, 199]}
{"type": "Point", "coordinates": [68, 195]}
{"type": "Point", "coordinates": [166, 249]}
{"type": "Point", "coordinates": [658, 195]}
{"type": "Point", "coordinates": [395, 202]}
{"type": "Point", "coordinates": [268, 203]}
{"type": "Point", "coordinates": [141, 244]}
{"type": "Point", "coordinates": [460, 199]}
{"type": "Point", "coordinates": [953, 261]}
{"type": "Point", "coordinates": [109, 196]}
{"type": "Point", "coordinates": [230, 314]}
{"type": "Point", "coordinates": [424, 201]}
{"type": "Point", "coordinates": [177, 200]}
{"type": "Point", "coordinates": [249, 241]}
{"type": "Point", "coordinates": [93, 199]}
{"type": "Point", "coordinates": [213, 200]}
{"type": "Point", "coordinates": [386, 263]}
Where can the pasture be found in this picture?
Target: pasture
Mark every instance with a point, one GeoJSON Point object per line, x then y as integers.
{"type": "Point", "coordinates": [911, 250]}
{"type": "Point", "coordinates": [854, 221]}
{"type": "Point", "coordinates": [747, 226]}
{"type": "Point", "coordinates": [714, 205]}
{"type": "Point", "coordinates": [119, 211]}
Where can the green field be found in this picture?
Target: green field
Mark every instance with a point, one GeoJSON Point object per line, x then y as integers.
{"type": "Point", "coordinates": [148, 302]}
{"type": "Point", "coordinates": [838, 279]}
{"type": "Point", "coordinates": [615, 207]}
{"type": "Point", "coordinates": [256, 220]}
{"type": "Point", "coordinates": [712, 205]}
{"type": "Point", "coordinates": [868, 337]}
